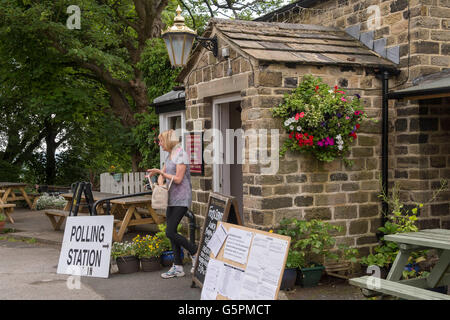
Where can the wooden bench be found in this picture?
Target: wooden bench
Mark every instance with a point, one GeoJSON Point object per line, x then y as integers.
{"type": "Point", "coordinates": [57, 217]}
{"type": "Point", "coordinates": [31, 196]}
{"type": "Point", "coordinates": [397, 289]}
{"type": "Point", "coordinates": [8, 208]}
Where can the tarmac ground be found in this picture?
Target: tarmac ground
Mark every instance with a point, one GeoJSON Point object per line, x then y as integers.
{"type": "Point", "coordinates": [30, 253]}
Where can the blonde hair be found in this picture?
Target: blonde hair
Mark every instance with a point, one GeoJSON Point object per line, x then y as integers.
{"type": "Point", "coordinates": [169, 138]}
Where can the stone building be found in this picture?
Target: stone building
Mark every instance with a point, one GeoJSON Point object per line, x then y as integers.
{"type": "Point", "coordinates": [267, 58]}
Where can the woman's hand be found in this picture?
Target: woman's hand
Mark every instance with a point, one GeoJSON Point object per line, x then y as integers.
{"type": "Point", "coordinates": [154, 171]}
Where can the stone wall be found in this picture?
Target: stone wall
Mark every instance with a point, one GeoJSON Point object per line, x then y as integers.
{"type": "Point", "coordinates": [303, 187]}
{"type": "Point", "coordinates": [422, 157]}
{"type": "Point", "coordinates": [418, 129]}
{"type": "Point", "coordinates": [199, 108]}
{"type": "Point", "coordinates": [428, 24]}
{"type": "Point", "coordinates": [346, 196]}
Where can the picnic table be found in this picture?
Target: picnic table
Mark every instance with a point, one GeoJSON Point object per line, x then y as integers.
{"type": "Point", "coordinates": [11, 192]}
{"type": "Point", "coordinates": [413, 289]}
{"type": "Point", "coordinates": [125, 211]}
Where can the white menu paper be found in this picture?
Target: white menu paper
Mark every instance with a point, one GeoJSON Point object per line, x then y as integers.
{"type": "Point", "coordinates": [230, 281]}
{"type": "Point", "coordinates": [237, 245]}
{"type": "Point", "coordinates": [212, 278]}
{"type": "Point", "coordinates": [264, 266]}
{"type": "Point", "coordinates": [217, 240]}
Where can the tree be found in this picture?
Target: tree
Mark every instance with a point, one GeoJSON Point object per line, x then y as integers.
{"type": "Point", "coordinates": [110, 46]}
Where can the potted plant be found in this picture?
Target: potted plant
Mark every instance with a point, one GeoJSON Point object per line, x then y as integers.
{"type": "Point", "coordinates": [313, 241]}
{"type": "Point", "coordinates": [2, 221]}
{"type": "Point", "coordinates": [293, 262]}
{"type": "Point", "coordinates": [125, 255]}
{"type": "Point", "coordinates": [149, 250]}
{"type": "Point", "coordinates": [167, 253]}
{"type": "Point", "coordinates": [116, 172]}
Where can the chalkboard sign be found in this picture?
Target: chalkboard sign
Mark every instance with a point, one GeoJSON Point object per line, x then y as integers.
{"type": "Point", "coordinates": [220, 208]}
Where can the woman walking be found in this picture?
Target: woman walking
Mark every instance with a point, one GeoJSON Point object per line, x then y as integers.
{"type": "Point", "coordinates": [176, 167]}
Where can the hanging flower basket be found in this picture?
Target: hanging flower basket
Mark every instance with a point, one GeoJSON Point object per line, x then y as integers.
{"type": "Point", "coordinates": [320, 120]}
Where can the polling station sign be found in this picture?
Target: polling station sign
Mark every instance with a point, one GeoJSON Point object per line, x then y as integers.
{"type": "Point", "coordinates": [86, 247]}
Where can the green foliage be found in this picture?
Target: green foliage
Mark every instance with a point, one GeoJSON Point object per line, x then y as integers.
{"type": "Point", "coordinates": [320, 120]}
{"type": "Point", "coordinates": [166, 245]}
{"type": "Point", "coordinates": [145, 135]}
{"type": "Point", "coordinates": [2, 217]}
{"type": "Point", "coordinates": [294, 259]}
{"type": "Point", "coordinates": [401, 219]}
{"type": "Point", "coordinates": [123, 249]}
{"type": "Point", "coordinates": [310, 239]}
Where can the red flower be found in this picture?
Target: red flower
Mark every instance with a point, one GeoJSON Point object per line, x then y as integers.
{"type": "Point", "coordinates": [317, 88]}
{"type": "Point", "coordinates": [291, 135]}
{"type": "Point", "coordinates": [357, 126]}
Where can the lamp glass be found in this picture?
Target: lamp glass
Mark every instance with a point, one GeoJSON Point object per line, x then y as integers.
{"type": "Point", "coordinates": [179, 46]}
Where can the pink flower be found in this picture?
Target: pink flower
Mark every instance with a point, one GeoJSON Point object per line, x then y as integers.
{"type": "Point", "coordinates": [302, 114]}
{"type": "Point", "coordinates": [297, 116]}
{"type": "Point", "coordinates": [343, 99]}
{"type": "Point", "coordinates": [347, 117]}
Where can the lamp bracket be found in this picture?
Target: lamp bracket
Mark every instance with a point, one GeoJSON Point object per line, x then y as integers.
{"type": "Point", "coordinates": [209, 44]}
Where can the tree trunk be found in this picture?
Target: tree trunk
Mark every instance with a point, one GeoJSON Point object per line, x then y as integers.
{"type": "Point", "coordinates": [50, 165]}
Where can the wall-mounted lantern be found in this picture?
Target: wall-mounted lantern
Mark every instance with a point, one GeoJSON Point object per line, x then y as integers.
{"type": "Point", "coordinates": [179, 40]}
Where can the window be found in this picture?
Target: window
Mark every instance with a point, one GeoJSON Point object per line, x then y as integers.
{"type": "Point", "coordinates": [172, 120]}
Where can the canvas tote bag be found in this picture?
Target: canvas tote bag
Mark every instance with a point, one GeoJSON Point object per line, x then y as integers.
{"type": "Point", "coordinates": [160, 195]}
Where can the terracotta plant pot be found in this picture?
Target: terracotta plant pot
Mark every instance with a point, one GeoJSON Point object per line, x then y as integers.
{"type": "Point", "coordinates": [127, 264]}
{"type": "Point", "coordinates": [150, 264]}
{"type": "Point", "coordinates": [2, 225]}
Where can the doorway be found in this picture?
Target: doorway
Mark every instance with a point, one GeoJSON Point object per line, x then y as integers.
{"type": "Point", "coordinates": [227, 174]}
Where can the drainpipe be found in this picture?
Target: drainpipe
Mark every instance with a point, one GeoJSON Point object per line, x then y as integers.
{"type": "Point", "coordinates": [384, 144]}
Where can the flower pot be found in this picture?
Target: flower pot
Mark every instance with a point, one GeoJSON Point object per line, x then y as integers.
{"type": "Point", "coordinates": [150, 264]}
{"type": "Point", "coordinates": [167, 258]}
{"type": "Point", "coordinates": [2, 225]}
{"type": "Point", "coordinates": [288, 280]}
{"type": "Point", "coordinates": [310, 277]}
{"type": "Point", "coordinates": [127, 264]}
{"type": "Point", "coordinates": [117, 177]}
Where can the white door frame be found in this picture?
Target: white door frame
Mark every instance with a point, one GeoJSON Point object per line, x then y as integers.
{"type": "Point", "coordinates": [221, 119]}
{"type": "Point", "coordinates": [164, 125]}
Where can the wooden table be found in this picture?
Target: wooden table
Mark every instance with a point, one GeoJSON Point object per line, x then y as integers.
{"type": "Point", "coordinates": [7, 195]}
{"type": "Point", "coordinates": [125, 211]}
{"type": "Point", "coordinates": [414, 288]}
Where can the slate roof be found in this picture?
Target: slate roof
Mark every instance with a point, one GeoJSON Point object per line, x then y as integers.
{"type": "Point", "coordinates": [169, 97]}
{"type": "Point", "coordinates": [294, 43]}
{"type": "Point", "coordinates": [299, 43]}
{"type": "Point", "coordinates": [436, 83]}
{"type": "Point", "coordinates": [171, 101]}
